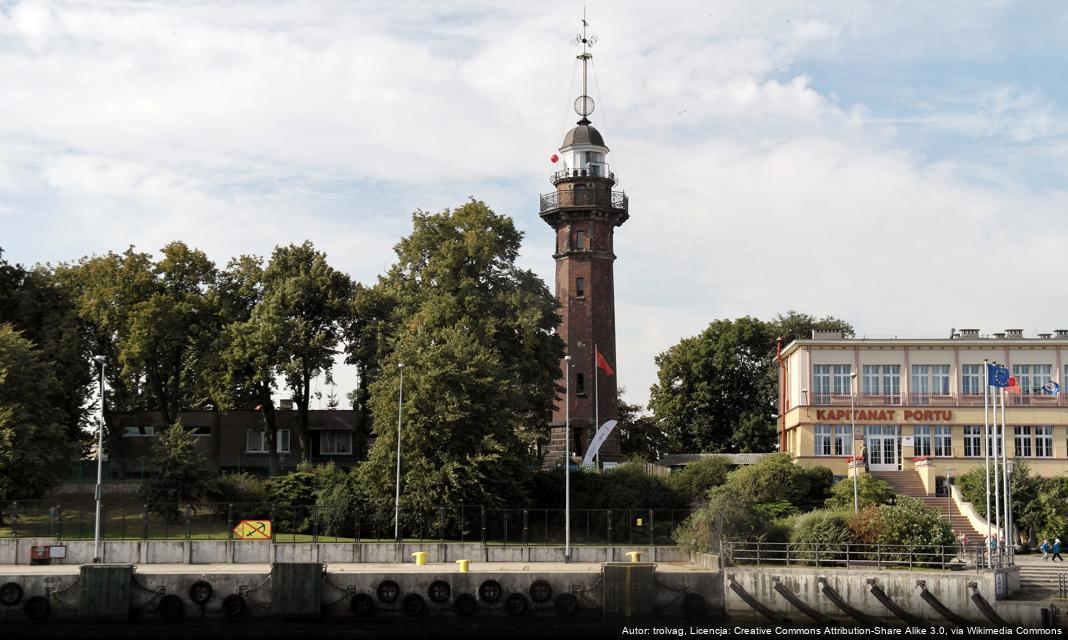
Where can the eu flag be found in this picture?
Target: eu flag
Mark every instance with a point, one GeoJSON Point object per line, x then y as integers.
{"type": "Point", "coordinates": [997, 375]}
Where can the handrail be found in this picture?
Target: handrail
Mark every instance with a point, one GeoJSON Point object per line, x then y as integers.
{"type": "Point", "coordinates": [934, 400]}
{"type": "Point", "coordinates": [584, 198]}
{"type": "Point", "coordinates": [852, 554]}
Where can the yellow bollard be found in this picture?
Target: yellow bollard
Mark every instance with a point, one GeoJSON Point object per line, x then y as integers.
{"type": "Point", "coordinates": [463, 565]}
{"type": "Point", "coordinates": [635, 556]}
{"type": "Point", "coordinates": [420, 557]}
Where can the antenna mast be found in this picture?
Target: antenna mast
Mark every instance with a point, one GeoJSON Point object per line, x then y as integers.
{"type": "Point", "coordinates": [584, 103]}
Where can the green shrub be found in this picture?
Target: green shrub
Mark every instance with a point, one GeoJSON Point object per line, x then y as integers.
{"type": "Point", "coordinates": [733, 513]}
{"type": "Point", "coordinates": [776, 478]}
{"type": "Point", "coordinates": [696, 479]}
{"type": "Point", "coordinates": [871, 491]}
{"type": "Point", "coordinates": [909, 522]}
{"type": "Point", "coordinates": [820, 535]}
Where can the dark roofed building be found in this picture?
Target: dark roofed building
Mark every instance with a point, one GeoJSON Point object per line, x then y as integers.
{"type": "Point", "coordinates": [235, 439]}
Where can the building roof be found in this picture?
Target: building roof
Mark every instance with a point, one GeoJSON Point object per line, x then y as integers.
{"type": "Point", "coordinates": [318, 419]}
{"type": "Point", "coordinates": [983, 342]}
{"type": "Point", "coordinates": [583, 134]}
{"type": "Point", "coordinates": [679, 459]}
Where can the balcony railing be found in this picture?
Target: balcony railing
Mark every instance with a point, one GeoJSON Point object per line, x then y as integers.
{"type": "Point", "coordinates": [596, 170]}
{"type": "Point", "coordinates": [584, 198]}
{"type": "Point", "coordinates": [934, 400]}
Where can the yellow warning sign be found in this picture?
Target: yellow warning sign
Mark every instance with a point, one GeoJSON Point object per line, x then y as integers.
{"type": "Point", "coordinates": [253, 530]}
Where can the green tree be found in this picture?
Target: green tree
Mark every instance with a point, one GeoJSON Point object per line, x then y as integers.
{"type": "Point", "coordinates": [40, 305]}
{"type": "Point", "coordinates": [639, 435]}
{"type": "Point", "coordinates": [696, 479]}
{"type": "Point", "coordinates": [717, 392]}
{"type": "Point", "coordinates": [305, 305]}
{"type": "Point", "coordinates": [33, 440]}
{"type": "Point", "coordinates": [777, 479]}
{"type": "Point", "coordinates": [154, 320]}
{"type": "Point", "coordinates": [475, 334]}
{"type": "Point", "coordinates": [179, 473]}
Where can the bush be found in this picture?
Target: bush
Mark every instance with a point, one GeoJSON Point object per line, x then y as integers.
{"type": "Point", "coordinates": [776, 478]}
{"type": "Point", "coordinates": [246, 492]}
{"type": "Point", "coordinates": [820, 535]}
{"type": "Point", "coordinates": [733, 512]}
{"type": "Point", "coordinates": [625, 487]}
{"type": "Point", "coordinates": [871, 491]}
{"type": "Point", "coordinates": [696, 479]}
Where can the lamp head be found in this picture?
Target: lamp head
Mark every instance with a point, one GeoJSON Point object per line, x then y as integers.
{"type": "Point", "coordinates": [99, 359]}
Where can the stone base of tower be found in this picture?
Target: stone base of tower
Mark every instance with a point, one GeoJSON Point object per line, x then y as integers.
{"type": "Point", "coordinates": [582, 432]}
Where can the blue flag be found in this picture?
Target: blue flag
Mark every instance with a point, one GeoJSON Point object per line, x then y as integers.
{"type": "Point", "coordinates": [997, 375]}
{"type": "Point", "coordinates": [1051, 388]}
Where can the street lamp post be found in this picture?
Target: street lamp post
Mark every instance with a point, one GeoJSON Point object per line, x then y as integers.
{"type": "Point", "coordinates": [567, 459]}
{"type": "Point", "coordinates": [400, 413]}
{"type": "Point", "coordinates": [853, 435]}
{"type": "Point", "coordinates": [97, 556]}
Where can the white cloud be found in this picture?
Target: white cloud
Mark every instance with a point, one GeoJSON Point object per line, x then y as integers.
{"type": "Point", "coordinates": [755, 187]}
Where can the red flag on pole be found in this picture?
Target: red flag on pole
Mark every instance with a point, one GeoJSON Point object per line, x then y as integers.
{"type": "Point", "coordinates": [603, 365]}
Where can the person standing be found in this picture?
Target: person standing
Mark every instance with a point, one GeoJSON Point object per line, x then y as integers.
{"type": "Point", "coordinates": [1057, 550]}
{"type": "Point", "coordinates": [1045, 549]}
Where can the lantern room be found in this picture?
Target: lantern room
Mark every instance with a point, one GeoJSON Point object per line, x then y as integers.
{"type": "Point", "coordinates": [583, 154]}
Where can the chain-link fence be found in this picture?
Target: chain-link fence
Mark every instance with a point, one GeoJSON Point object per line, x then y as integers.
{"type": "Point", "coordinates": [340, 523]}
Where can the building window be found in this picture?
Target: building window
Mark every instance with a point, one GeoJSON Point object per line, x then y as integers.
{"type": "Point", "coordinates": [834, 440]}
{"type": "Point", "coordinates": [972, 442]}
{"type": "Point", "coordinates": [580, 287]}
{"type": "Point", "coordinates": [256, 442]}
{"type": "Point", "coordinates": [943, 442]}
{"type": "Point", "coordinates": [830, 379]}
{"type": "Point", "coordinates": [283, 441]}
{"type": "Point", "coordinates": [580, 241]}
{"type": "Point", "coordinates": [929, 380]}
{"type": "Point", "coordinates": [921, 440]}
{"type": "Point", "coordinates": [1031, 377]}
{"type": "Point", "coordinates": [971, 379]}
{"type": "Point", "coordinates": [1022, 441]}
{"type": "Point", "coordinates": [998, 446]}
{"type": "Point", "coordinates": [335, 443]}
{"type": "Point", "coordinates": [143, 431]}
{"type": "Point", "coordinates": [580, 384]}
{"type": "Point", "coordinates": [1044, 442]}
{"type": "Point", "coordinates": [882, 380]}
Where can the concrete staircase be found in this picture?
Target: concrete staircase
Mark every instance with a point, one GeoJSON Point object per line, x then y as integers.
{"type": "Point", "coordinates": [1038, 576]}
{"type": "Point", "coordinates": [907, 483]}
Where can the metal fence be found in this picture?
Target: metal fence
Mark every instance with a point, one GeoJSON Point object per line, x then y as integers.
{"type": "Point", "coordinates": [880, 556]}
{"type": "Point", "coordinates": [340, 523]}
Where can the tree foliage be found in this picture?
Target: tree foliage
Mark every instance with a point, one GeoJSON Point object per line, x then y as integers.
{"type": "Point", "coordinates": [696, 479]}
{"type": "Point", "coordinates": [475, 334]}
{"type": "Point", "coordinates": [180, 475]}
{"type": "Point", "coordinates": [717, 391]}
{"type": "Point", "coordinates": [33, 439]}
{"type": "Point", "coordinates": [775, 478]}
{"type": "Point", "coordinates": [639, 434]}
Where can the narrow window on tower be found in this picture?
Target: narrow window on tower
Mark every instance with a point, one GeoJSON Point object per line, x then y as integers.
{"type": "Point", "coordinates": [580, 384]}
{"type": "Point", "coordinates": [580, 287]}
{"type": "Point", "coordinates": [580, 240]}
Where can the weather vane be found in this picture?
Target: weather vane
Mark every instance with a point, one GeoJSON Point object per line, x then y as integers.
{"type": "Point", "coordinates": [584, 103]}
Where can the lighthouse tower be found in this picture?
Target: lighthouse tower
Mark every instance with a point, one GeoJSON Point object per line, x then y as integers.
{"type": "Point", "coordinates": [584, 211]}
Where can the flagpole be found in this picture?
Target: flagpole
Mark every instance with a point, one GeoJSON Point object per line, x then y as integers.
{"type": "Point", "coordinates": [997, 483]}
{"type": "Point", "coordinates": [567, 458]}
{"type": "Point", "coordinates": [986, 447]}
{"type": "Point", "coordinates": [596, 403]}
{"type": "Point", "coordinates": [1007, 494]}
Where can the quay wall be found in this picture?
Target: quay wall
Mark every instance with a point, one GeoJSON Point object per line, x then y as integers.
{"type": "Point", "coordinates": [16, 551]}
{"type": "Point", "coordinates": [953, 588]}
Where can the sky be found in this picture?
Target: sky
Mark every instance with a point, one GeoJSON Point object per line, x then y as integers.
{"type": "Point", "coordinates": [900, 165]}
